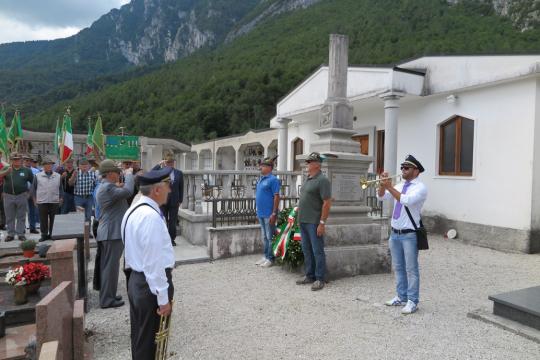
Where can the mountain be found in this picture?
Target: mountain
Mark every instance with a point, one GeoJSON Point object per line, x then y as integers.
{"type": "Point", "coordinates": [234, 83]}
{"type": "Point", "coordinates": [143, 32]}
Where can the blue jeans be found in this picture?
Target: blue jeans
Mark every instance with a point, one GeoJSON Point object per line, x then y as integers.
{"type": "Point", "coordinates": [267, 231]}
{"type": "Point", "coordinates": [404, 253]}
{"type": "Point", "coordinates": [69, 204]}
{"type": "Point", "coordinates": [86, 202]}
{"type": "Point", "coordinates": [33, 214]}
{"type": "Point", "coordinates": [313, 249]}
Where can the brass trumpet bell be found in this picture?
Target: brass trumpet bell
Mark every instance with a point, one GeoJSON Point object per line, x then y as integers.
{"type": "Point", "coordinates": [365, 183]}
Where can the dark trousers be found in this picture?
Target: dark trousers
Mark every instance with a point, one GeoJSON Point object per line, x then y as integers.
{"type": "Point", "coordinates": [142, 313]}
{"type": "Point", "coordinates": [47, 212]}
{"type": "Point", "coordinates": [109, 267]}
{"type": "Point", "coordinates": [2, 212]}
{"type": "Point", "coordinates": [170, 212]}
{"type": "Point", "coordinates": [69, 203]}
{"type": "Point", "coordinates": [33, 215]}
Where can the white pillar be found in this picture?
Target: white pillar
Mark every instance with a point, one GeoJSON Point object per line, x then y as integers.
{"type": "Point", "coordinates": [238, 156]}
{"type": "Point", "coordinates": [283, 138]}
{"type": "Point", "coordinates": [391, 115]}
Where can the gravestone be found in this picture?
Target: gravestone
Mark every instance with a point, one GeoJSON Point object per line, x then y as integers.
{"type": "Point", "coordinates": [54, 320]}
{"type": "Point", "coordinates": [352, 240]}
{"type": "Point", "coordinates": [522, 306]}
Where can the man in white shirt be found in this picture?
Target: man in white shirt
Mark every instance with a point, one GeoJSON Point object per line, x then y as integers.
{"type": "Point", "coordinates": [149, 260]}
{"type": "Point", "coordinates": [409, 194]}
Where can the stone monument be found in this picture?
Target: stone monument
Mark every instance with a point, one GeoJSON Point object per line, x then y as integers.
{"type": "Point", "coordinates": [353, 240]}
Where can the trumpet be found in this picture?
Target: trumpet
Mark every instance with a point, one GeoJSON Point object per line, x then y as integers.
{"type": "Point", "coordinates": [162, 337]}
{"type": "Point", "coordinates": [365, 183]}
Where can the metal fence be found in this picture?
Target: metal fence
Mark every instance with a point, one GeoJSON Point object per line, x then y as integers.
{"type": "Point", "coordinates": [240, 211]}
{"type": "Point", "coordinates": [371, 197]}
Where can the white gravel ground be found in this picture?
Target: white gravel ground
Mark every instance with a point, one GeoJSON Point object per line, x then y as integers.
{"type": "Point", "coordinates": [232, 309]}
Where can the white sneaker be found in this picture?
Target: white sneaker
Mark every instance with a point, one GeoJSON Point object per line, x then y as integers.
{"type": "Point", "coordinates": [395, 302]}
{"type": "Point", "coordinates": [260, 262]}
{"type": "Point", "coordinates": [410, 308]}
{"type": "Point", "coordinates": [267, 264]}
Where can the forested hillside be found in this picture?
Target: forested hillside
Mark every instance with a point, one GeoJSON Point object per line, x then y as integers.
{"type": "Point", "coordinates": [237, 85]}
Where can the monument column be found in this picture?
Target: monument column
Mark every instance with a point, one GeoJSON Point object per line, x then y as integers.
{"type": "Point", "coordinates": [352, 240]}
{"type": "Point", "coordinates": [391, 115]}
{"type": "Point", "coordinates": [283, 142]}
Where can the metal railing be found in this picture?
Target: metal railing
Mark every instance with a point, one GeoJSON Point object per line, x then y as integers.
{"type": "Point", "coordinates": [202, 186]}
{"type": "Point", "coordinates": [240, 211]}
{"type": "Point", "coordinates": [371, 198]}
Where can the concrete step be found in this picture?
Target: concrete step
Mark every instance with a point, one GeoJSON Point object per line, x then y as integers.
{"type": "Point", "coordinates": [186, 253]}
{"type": "Point", "coordinates": [345, 261]}
{"type": "Point", "coordinates": [521, 306]}
{"type": "Point", "coordinates": [352, 234]}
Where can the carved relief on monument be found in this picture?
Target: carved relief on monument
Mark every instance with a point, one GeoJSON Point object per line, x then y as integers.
{"type": "Point", "coordinates": [326, 113]}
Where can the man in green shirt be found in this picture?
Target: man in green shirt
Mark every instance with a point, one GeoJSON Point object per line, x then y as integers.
{"type": "Point", "coordinates": [15, 196]}
{"type": "Point", "coordinates": [313, 209]}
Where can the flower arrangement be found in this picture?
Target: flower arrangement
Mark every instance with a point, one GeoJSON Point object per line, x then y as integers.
{"type": "Point", "coordinates": [29, 273]}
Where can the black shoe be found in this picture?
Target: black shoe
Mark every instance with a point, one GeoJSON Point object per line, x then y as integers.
{"type": "Point", "coordinates": [174, 243]}
{"type": "Point", "coordinates": [2, 227]}
{"type": "Point", "coordinates": [10, 238]}
{"type": "Point", "coordinates": [118, 297]}
{"type": "Point", "coordinates": [22, 237]}
{"type": "Point", "coordinates": [48, 237]}
{"type": "Point", "coordinates": [43, 238]}
{"type": "Point", "coordinates": [304, 281]}
{"type": "Point", "coordinates": [34, 231]}
{"type": "Point", "coordinates": [114, 305]}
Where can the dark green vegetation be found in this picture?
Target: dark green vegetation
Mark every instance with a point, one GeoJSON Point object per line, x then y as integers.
{"type": "Point", "coordinates": [236, 86]}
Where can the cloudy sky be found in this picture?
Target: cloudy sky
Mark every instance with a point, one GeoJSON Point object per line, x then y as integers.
{"type": "Point", "coordinates": [49, 19]}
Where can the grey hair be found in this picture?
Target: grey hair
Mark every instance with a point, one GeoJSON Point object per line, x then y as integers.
{"type": "Point", "coordinates": [146, 189]}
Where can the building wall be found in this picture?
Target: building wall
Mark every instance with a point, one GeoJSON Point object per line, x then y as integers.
{"type": "Point", "coordinates": [500, 189]}
{"type": "Point", "coordinates": [535, 198]}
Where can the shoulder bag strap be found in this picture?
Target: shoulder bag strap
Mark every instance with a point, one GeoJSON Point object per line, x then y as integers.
{"type": "Point", "coordinates": [125, 225]}
{"type": "Point", "coordinates": [411, 218]}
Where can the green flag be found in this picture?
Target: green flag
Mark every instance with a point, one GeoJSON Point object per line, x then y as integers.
{"type": "Point", "coordinates": [4, 148]}
{"type": "Point", "coordinates": [57, 137]}
{"type": "Point", "coordinates": [15, 130]}
{"type": "Point", "coordinates": [98, 138]}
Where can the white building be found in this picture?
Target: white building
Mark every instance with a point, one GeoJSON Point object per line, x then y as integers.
{"type": "Point", "coordinates": [473, 122]}
{"type": "Point", "coordinates": [238, 152]}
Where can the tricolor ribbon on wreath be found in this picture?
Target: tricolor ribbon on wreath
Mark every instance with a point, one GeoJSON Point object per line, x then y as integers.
{"type": "Point", "coordinates": [286, 232]}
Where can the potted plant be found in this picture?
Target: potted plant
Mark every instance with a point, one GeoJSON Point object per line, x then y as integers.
{"type": "Point", "coordinates": [34, 273]}
{"type": "Point", "coordinates": [14, 277]}
{"type": "Point", "coordinates": [28, 247]}
{"type": "Point", "coordinates": [26, 279]}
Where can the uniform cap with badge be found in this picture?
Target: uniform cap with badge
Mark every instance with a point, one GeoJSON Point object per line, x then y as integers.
{"type": "Point", "coordinates": [154, 176]}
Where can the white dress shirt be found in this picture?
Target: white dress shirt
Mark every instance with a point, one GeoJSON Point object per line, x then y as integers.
{"type": "Point", "coordinates": [148, 247]}
{"type": "Point", "coordinates": [414, 199]}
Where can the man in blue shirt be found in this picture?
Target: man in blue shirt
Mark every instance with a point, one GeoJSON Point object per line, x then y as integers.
{"type": "Point", "coordinates": [267, 203]}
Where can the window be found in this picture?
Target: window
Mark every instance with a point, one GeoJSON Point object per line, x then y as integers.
{"type": "Point", "coordinates": [456, 147]}
{"type": "Point", "coordinates": [298, 149]}
{"type": "Point", "coordinates": [363, 141]}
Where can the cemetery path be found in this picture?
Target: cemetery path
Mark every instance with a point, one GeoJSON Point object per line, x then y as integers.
{"type": "Point", "coordinates": [232, 309]}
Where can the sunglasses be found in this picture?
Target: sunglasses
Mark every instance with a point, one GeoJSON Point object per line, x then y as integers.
{"type": "Point", "coordinates": [406, 167]}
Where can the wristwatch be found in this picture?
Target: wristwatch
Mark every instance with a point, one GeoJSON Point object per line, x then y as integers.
{"type": "Point", "coordinates": [322, 222]}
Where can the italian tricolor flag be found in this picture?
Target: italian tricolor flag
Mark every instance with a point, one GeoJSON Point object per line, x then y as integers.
{"type": "Point", "coordinates": [66, 148]}
{"type": "Point", "coordinates": [89, 141]}
{"type": "Point", "coordinates": [280, 246]}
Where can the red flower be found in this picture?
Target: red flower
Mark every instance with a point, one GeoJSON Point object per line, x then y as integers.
{"type": "Point", "coordinates": [35, 272]}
